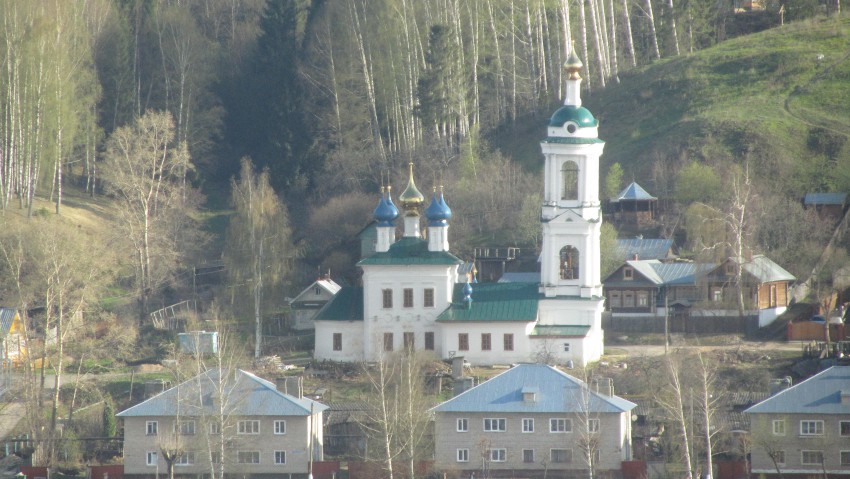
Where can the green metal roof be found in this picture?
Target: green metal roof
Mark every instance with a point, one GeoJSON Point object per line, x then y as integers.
{"type": "Point", "coordinates": [411, 251]}
{"type": "Point", "coordinates": [578, 114]}
{"type": "Point", "coordinates": [494, 302]}
{"type": "Point", "coordinates": [572, 140]}
{"type": "Point", "coordinates": [346, 305]}
{"type": "Point", "coordinates": [547, 330]}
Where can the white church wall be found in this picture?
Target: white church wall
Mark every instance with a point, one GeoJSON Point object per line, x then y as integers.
{"type": "Point", "coordinates": [522, 351]}
{"type": "Point", "coordinates": [351, 344]}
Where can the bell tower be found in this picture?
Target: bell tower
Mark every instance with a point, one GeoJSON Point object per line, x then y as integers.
{"type": "Point", "coordinates": [571, 216]}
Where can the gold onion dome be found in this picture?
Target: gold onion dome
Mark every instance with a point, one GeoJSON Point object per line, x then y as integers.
{"type": "Point", "coordinates": [411, 198]}
{"type": "Point", "coordinates": [573, 66]}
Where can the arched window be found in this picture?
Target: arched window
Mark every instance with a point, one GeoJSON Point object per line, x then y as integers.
{"type": "Point", "coordinates": [569, 262]}
{"type": "Point", "coordinates": [569, 176]}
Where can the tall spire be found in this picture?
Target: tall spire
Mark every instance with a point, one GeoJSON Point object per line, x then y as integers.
{"type": "Point", "coordinates": [411, 200]}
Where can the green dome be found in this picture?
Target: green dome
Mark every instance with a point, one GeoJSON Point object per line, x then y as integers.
{"type": "Point", "coordinates": [580, 115]}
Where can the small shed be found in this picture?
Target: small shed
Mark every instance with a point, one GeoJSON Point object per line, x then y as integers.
{"type": "Point", "coordinates": [827, 205]}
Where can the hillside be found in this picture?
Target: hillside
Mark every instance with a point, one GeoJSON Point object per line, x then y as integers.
{"type": "Point", "coordinates": [763, 95]}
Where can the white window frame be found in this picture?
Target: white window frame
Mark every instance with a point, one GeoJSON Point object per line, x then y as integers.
{"type": "Point", "coordinates": [185, 428]}
{"type": "Point", "coordinates": [185, 459]}
{"type": "Point", "coordinates": [247, 427]}
{"type": "Point", "coordinates": [462, 455]}
{"type": "Point", "coordinates": [568, 453]}
{"type": "Point", "coordinates": [807, 424]}
{"type": "Point", "coordinates": [779, 427]}
{"type": "Point", "coordinates": [498, 454]}
{"type": "Point", "coordinates": [811, 451]}
{"type": "Point", "coordinates": [528, 425]}
{"type": "Point", "coordinates": [151, 458]}
{"type": "Point", "coordinates": [277, 457]}
{"type": "Point", "coordinates": [279, 427]}
{"type": "Point", "coordinates": [593, 425]}
{"type": "Point", "coordinates": [151, 428]}
{"type": "Point", "coordinates": [840, 428]}
{"type": "Point", "coordinates": [495, 424]}
{"type": "Point", "coordinates": [215, 428]}
{"type": "Point", "coordinates": [560, 425]}
{"type": "Point", "coordinates": [239, 457]}
{"type": "Point", "coordinates": [462, 424]}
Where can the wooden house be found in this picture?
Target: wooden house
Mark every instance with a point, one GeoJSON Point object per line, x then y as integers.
{"type": "Point", "coordinates": [827, 205]}
{"type": "Point", "coordinates": [634, 207]}
{"type": "Point", "coordinates": [307, 304]}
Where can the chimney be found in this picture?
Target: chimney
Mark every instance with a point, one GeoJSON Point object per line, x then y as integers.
{"type": "Point", "coordinates": [635, 257]}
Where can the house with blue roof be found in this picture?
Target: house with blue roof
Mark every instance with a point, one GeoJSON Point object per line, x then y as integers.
{"type": "Point", "coordinates": [417, 294]}
{"type": "Point", "coordinates": [634, 206]}
{"type": "Point", "coordinates": [804, 430]}
{"type": "Point", "coordinates": [533, 418]}
{"type": "Point", "coordinates": [226, 421]}
{"type": "Point", "coordinates": [645, 248]}
{"type": "Point", "coordinates": [829, 205]}
{"type": "Point", "coordinates": [650, 289]}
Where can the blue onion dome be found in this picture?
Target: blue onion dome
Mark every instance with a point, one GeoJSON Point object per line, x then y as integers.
{"type": "Point", "coordinates": [386, 211]}
{"type": "Point", "coordinates": [438, 211]}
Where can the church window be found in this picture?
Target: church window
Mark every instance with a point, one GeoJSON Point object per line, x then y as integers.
{"type": "Point", "coordinates": [569, 176]}
{"type": "Point", "coordinates": [485, 342]}
{"type": "Point", "coordinates": [388, 341]}
{"type": "Point", "coordinates": [387, 296]}
{"type": "Point", "coordinates": [408, 297]}
{"type": "Point", "coordinates": [429, 340]}
{"type": "Point", "coordinates": [337, 341]}
{"type": "Point", "coordinates": [463, 341]}
{"type": "Point", "coordinates": [569, 262]}
{"type": "Point", "coordinates": [408, 341]}
{"type": "Point", "coordinates": [509, 342]}
{"type": "Point", "coordinates": [429, 298]}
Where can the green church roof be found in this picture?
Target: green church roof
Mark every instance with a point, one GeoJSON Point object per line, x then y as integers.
{"type": "Point", "coordinates": [346, 305]}
{"type": "Point", "coordinates": [494, 302]}
{"type": "Point", "coordinates": [411, 251]}
{"type": "Point", "coordinates": [578, 114]}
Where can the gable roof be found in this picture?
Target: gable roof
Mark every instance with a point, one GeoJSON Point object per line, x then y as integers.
{"type": "Point", "coordinates": [494, 302]}
{"type": "Point", "coordinates": [411, 251]}
{"type": "Point", "coordinates": [245, 393]}
{"type": "Point", "coordinates": [634, 192]}
{"type": "Point", "coordinates": [557, 392]}
{"type": "Point", "coordinates": [346, 305]}
{"type": "Point", "coordinates": [820, 394]}
{"type": "Point", "coordinates": [7, 318]}
{"type": "Point", "coordinates": [327, 284]}
{"type": "Point", "coordinates": [765, 270]}
{"type": "Point", "coordinates": [644, 248]}
{"type": "Point", "coordinates": [825, 199]}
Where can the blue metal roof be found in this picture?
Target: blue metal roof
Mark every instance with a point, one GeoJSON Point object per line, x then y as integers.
{"type": "Point", "coordinates": [765, 270]}
{"type": "Point", "coordinates": [644, 248]}
{"type": "Point", "coordinates": [680, 274]}
{"type": "Point", "coordinates": [634, 192]}
{"type": "Point", "coordinates": [245, 395]}
{"type": "Point", "coordinates": [820, 394]}
{"type": "Point", "coordinates": [557, 392]}
{"type": "Point", "coordinates": [7, 317]}
{"type": "Point", "coordinates": [825, 199]}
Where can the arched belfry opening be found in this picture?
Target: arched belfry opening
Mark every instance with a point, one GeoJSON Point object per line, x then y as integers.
{"type": "Point", "coordinates": [569, 258]}
{"type": "Point", "coordinates": [569, 178]}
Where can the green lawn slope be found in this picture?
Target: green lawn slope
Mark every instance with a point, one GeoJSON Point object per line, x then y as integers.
{"type": "Point", "coordinates": [763, 97]}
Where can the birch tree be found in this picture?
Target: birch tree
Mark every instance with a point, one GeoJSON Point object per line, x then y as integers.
{"type": "Point", "coordinates": [258, 247]}
{"type": "Point", "coordinates": [145, 169]}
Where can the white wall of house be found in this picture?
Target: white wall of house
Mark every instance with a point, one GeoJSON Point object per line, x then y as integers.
{"type": "Point", "coordinates": [352, 340]}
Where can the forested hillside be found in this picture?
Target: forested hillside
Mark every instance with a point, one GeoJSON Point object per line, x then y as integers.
{"type": "Point", "coordinates": [154, 104]}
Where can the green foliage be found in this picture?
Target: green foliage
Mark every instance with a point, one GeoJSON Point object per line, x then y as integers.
{"type": "Point", "coordinates": [110, 426]}
{"type": "Point", "coordinates": [826, 142]}
{"type": "Point", "coordinates": [697, 182]}
{"type": "Point", "coordinates": [613, 181]}
{"type": "Point", "coordinates": [608, 249]}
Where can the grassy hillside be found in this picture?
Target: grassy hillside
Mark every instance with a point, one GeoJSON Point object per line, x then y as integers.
{"type": "Point", "coordinates": [769, 96]}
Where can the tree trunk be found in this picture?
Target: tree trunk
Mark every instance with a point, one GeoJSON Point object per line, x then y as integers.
{"type": "Point", "coordinates": [652, 31]}
{"type": "Point", "coordinates": [673, 26]}
{"type": "Point", "coordinates": [630, 42]}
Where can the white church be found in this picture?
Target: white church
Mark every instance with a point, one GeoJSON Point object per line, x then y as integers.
{"type": "Point", "coordinates": [413, 297]}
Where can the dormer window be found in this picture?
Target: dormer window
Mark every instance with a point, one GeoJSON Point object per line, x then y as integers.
{"type": "Point", "coordinates": [529, 394]}
{"type": "Point", "coordinates": [628, 274]}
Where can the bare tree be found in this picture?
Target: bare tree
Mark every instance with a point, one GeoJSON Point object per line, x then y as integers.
{"type": "Point", "coordinates": [259, 248]}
